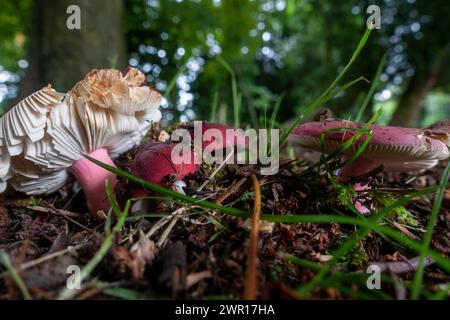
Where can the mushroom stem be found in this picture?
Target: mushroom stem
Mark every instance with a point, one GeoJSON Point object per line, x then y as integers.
{"type": "Point", "coordinates": [358, 204]}
{"type": "Point", "coordinates": [92, 179]}
{"type": "Point", "coordinates": [357, 168]}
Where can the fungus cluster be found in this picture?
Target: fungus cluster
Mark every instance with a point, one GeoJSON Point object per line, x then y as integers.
{"type": "Point", "coordinates": [43, 139]}
{"type": "Point", "coordinates": [155, 161]}
{"type": "Point", "coordinates": [395, 149]}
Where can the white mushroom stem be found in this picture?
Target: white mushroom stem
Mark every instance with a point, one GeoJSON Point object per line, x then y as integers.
{"type": "Point", "coordinates": [92, 179]}
{"type": "Point", "coordinates": [179, 186]}
{"type": "Point", "coordinates": [144, 205]}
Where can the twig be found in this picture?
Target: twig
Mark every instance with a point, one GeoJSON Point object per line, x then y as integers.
{"type": "Point", "coordinates": [173, 218]}
{"type": "Point", "coordinates": [405, 231]}
{"type": "Point", "coordinates": [231, 190]}
{"type": "Point", "coordinates": [64, 213]}
{"type": "Point", "coordinates": [50, 256]}
{"type": "Point", "coordinates": [252, 256]}
{"type": "Point", "coordinates": [60, 212]}
{"type": "Point", "coordinates": [399, 267]}
{"type": "Point", "coordinates": [33, 263]}
{"type": "Point", "coordinates": [194, 278]}
{"type": "Point", "coordinates": [213, 174]}
{"type": "Point", "coordinates": [4, 259]}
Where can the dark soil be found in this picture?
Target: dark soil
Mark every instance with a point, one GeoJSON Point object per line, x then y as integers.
{"type": "Point", "coordinates": [205, 254]}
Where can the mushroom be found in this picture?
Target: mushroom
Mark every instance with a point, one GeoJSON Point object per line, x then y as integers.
{"type": "Point", "coordinates": [43, 139]}
{"type": "Point", "coordinates": [396, 149]}
{"type": "Point", "coordinates": [212, 134]}
{"type": "Point", "coordinates": [154, 162]}
{"type": "Point", "coordinates": [210, 140]}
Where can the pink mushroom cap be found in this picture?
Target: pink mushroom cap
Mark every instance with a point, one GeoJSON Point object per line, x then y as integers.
{"type": "Point", "coordinates": [231, 136]}
{"type": "Point", "coordinates": [396, 148]}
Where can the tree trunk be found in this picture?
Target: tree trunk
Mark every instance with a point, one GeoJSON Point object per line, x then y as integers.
{"type": "Point", "coordinates": [410, 106]}
{"type": "Point", "coordinates": [61, 56]}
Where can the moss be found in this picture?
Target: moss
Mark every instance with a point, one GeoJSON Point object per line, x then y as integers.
{"type": "Point", "coordinates": [400, 213]}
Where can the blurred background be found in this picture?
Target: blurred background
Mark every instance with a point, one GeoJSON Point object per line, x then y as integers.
{"type": "Point", "coordinates": [279, 52]}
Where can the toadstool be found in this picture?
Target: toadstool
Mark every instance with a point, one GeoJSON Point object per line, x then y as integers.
{"type": "Point", "coordinates": [154, 162]}
{"type": "Point", "coordinates": [396, 149]}
{"type": "Point", "coordinates": [43, 139]}
{"type": "Point", "coordinates": [210, 140]}
{"type": "Point", "coordinates": [216, 136]}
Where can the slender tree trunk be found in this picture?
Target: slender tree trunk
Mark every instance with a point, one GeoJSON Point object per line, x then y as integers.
{"type": "Point", "coordinates": [411, 102]}
{"type": "Point", "coordinates": [61, 56]}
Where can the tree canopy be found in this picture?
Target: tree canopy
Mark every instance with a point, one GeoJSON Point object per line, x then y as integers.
{"type": "Point", "coordinates": [276, 50]}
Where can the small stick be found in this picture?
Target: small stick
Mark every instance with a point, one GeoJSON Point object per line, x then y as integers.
{"type": "Point", "coordinates": [213, 174]}
{"type": "Point", "coordinates": [63, 213]}
{"type": "Point", "coordinates": [252, 255]}
{"type": "Point", "coordinates": [173, 218]}
{"type": "Point", "coordinates": [400, 267]}
{"type": "Point", "coordinates": [50, 256]}
{"type": "Point", "coordinates": [60, 212]}
{"type": "Point", "coordinates": [228, 192]}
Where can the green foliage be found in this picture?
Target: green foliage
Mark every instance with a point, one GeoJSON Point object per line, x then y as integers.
{"type": "Point", "coordinates": [400, 213]}
{"type": "Point", "coordinates": [356, 257]}
{"type": "Point", "coordinates": [194, 33]}
{"type": "Point", "coordinates": [124, 293]}
{"type": "Point", "coordinates": [14, 16]}
{"type": "Point", "coordinates": [274, 47]}
{"type": "Point", "coordinates": [346, 195]}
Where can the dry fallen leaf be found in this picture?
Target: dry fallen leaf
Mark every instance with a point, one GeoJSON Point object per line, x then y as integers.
{"type": "Point", "coordinates": [142, 254]}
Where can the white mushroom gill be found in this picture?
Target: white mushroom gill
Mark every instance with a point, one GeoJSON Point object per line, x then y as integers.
{"type": "Point", "coordinates": [45, 136]}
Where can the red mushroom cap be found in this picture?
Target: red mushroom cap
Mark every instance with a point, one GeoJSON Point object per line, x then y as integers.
{"type": "Point", "coordinates": [154, 162]}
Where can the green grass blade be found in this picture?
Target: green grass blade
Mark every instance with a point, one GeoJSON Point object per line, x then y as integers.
{"type": "Point", "coordinates": [380, 229]}
{"type": "Point", "coordinates": [334, 93]}
{"type": "Point", "coordinates": [234, 91]}
{"type": "Point", "coordinates": [67, 293]}
{"type": "Point", "coordinates": [366, 225]}
{"type": "Point", "coordinates": [157, 188]}
{"type": "Point", "coordinates": [112, 200]}
{"type": "Point", "coordinates": [276, 108]}
{"type": "Point", "coordinates": [375, 82]}
{"type": "Point", "coordinates": [317, 103]}
{"type": "Point", "coordinates": [427, 238]}
{"type": "Point", "coordinates": [6, 262]}
{"type": "Point", "coordinates": [124, 293]}
{"type": "Point", "coordinates": [214, 107]}
{"type": "Point", "coordinates": [338, 278]}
